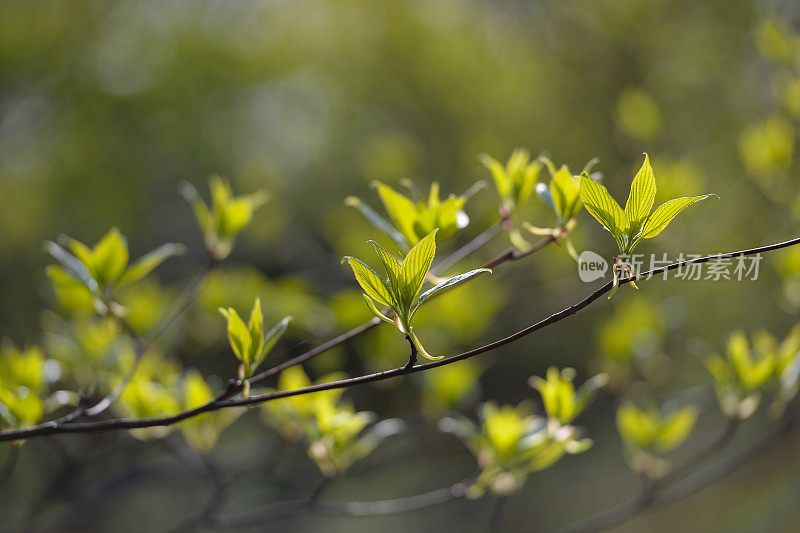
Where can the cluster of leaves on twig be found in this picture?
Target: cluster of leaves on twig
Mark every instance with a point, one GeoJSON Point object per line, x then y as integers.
{"type": "Point", "coordinates": [399, 290]}
{"type": "Point", "coordinates": [510, 442]}
{"type": "Point", "coordinates": [336, 434]}
{"type": "Point", "coordinates": [751, 369]}
{"type": "Point", "coordinates": [648, 433]}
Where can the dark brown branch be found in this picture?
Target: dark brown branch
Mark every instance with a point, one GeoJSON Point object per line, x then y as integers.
{"type": "Point", "coordinates": [513, 254]}
{"type": "Point", "coordinates": [49, 428]}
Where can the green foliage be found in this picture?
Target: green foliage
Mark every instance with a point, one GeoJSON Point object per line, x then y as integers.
{"type": "Point", "coordinates": [562, 193]}
{"type": "Point", "coordinates": [647, 433]}
{"type": "Point", "coordinates": [412, 218]}
{"type": "Point", "coordinates": [151, 392]}
{"type": "Point", "coordinates": [399, 291]}
{"type": "Point", "coordinates": [635, 222]}
{"type": "Point", "coordinates": [511, 442]}
{"type": "Point", "coordinates": [202, 432]}
{"type": "Point", "coordinates": [516, 180]}
{"type": "Point", "coordinates": [561, 401]}
{"type": "Point", "coordinates": [225, 217]}
{"type": "Point", "coordinates": [22, 385]}
{"type": "Point", "coordinates": [87, 274]}
{"type": "Point", "coordinates": [248, 341]}
{"type": "Point", "coordinates": [562, 196]}
{"type": "Point", "coordinates": [337, 435]}
{"type": "Point", "coordinates": [748, 371]}
{"type": "Point", "coordinates": [630, 341]}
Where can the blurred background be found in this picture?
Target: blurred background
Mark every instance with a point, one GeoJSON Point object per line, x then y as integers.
{"type": "Point", "coordinates": [106, 107]}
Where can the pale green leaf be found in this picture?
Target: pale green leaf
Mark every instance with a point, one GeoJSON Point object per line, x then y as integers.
{"type": "Point", "coordinates": [675, 429]}
{"type": "Point", "coordinates": [72, 266]}
{"type": "Point", "coordinates": [401, 210]}
{"type": "Point", "coordinates": [238, 335]}
{"type": "Point", "coordinates": [602, 206]}
{"type": "Point", "coordinates": [449, 284]}
{"type": "Point", "coordinates": [664, 214]}
{"type": "Point", "coordinates": [415, 267]}
{"type": "Point", "coordinates": [392, 267]}
{"type": "Point", "coordinates": [145, 264]}
{"type": "Point", "coordinates": [498, 171]}
{"type": "Point", "coordinates": [377, 221]}
{"type": "Point", "coordinates": [272, 337]}
{"type": "Point", "coordinates": [109, 257]}
{"type": "Point", "coordinates": [641, 197]}
{"type": "Point", "coordinates": [565, 191]}
{"type": "Point", "coordinates": [371, 282]}
{"type": "Point", "coordinates": [255, 325]}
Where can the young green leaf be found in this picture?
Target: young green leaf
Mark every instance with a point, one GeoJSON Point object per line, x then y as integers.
{"type": "Point", "coordinates": [272, 337]}
{"type": "Point", "coordinates": [602, 206]}
{"type": "Point", "coordinates": [72, 266]}
{"type": "Point", "coordinates": [110, 257]}
{"type": "Point", "coordinates": [238, 335]}
{"type": "Point", "coordinates": [400, 209]}
{"type": "Point", "coordinates": [400, 290]}
{"type": "Point", "coordinates": [641, 197]}
{"type": "Point", "coordinates": [565, 192]}
{"type": "Point", "coordinates": [414, 268]}
{"type": "Point", "coordinates": [377, 221]}
{"type": "Point", "coordinates": [448, 284]}
{"type": "Point", "coordinates": [147, 263]}
{"type": "Point", "coordinates": [664, 214]}
{"type": "Point", "coordinates": [371, 282]}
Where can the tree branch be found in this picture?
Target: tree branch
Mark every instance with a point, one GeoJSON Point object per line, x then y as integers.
{"type": "Point", "coordinates": [685, 486]}
{"type": "Point", "coordinates": [284, 509]}
{"type": "Point", "coordinates": [50, 428]}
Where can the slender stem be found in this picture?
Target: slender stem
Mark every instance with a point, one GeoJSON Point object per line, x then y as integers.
{"type": "Point", "coordinates": [49, 428]}
{"type": "Point", "coordinates": [283, 509]}
{"type": "Point", "coordinates": [472, 246]}
{"type": "Point", "coordinates": [143, 344]}
{"type": "Point", "coordinates": [412, 358]}
{"type": "Point", "coordinates": [497, 514]}
{"type": "Point", "coordinates": [11, 463]}
{"type": "Point", "coordinates": [731, 427]}
{"type": "Point", "coordinates": [683, 484]}
{"type": "Point", "coordinates": [513, 254]}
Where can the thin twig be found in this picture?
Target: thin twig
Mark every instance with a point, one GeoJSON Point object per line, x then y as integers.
{"type": "Point", "coordinates": [11, 462]}
{"type": "Point", "coordinates": [683, 486]}
{"type": "Point", "coordinates": [471, 247]}
{"type": "Point", "coordinates": [512, 254]}
{"type": "Point", "coordinates": [497, 513]}
{"type": "Point", "coordinates": [143, 344]}
{"type": "Point", "coordinates": [284, 509]}
{"type": "Point", "coordinates": [49, 428]}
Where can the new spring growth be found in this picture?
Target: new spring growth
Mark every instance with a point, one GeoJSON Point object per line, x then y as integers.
{"type": "Point", "coordinates": [635, 222]}
{"type": "Point", "coordinates": [414, 217]}
{"type": "Point", "coordinates": [399, 289]}
{"type": "Point", "coordinates": [225, 217]}
{"type": "Point", "coordinates": [249, 342]}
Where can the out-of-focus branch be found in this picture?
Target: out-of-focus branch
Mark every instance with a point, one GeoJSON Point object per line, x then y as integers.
{"type": "Point", "coordinates": [683, 484]}
{"type": "Point", "coordinates": [284, 509]}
